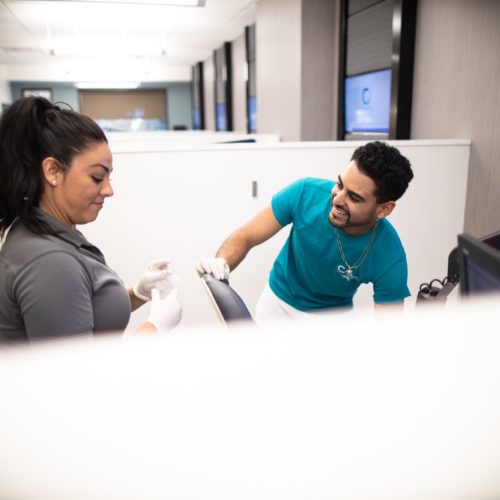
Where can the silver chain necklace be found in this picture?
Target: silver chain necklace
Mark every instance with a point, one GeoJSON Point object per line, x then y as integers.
{"type": "Point", "coordinates": [346, 270]}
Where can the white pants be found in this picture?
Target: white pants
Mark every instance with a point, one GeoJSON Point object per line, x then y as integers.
{"type": "Point", "coordinates": [271, 308]}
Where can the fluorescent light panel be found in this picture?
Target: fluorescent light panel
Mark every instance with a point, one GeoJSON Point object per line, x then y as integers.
{"type": "Point", "coordinates": [106, 50]}
{"type": "Point", "coordinates": [107, 85]}
{"type": "Point", "coordinates": [176, 3]}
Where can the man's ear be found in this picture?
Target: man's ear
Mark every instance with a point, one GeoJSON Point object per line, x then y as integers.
{"type": "Point", "coordinates": [385, 209]}
{"type": "Point", "coordinates": [51, 169]}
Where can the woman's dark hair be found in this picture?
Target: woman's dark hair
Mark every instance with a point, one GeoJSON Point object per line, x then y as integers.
{"type": "Point", "coordinates": [387, 167]}
{"type": "Point", "coordinates": [32, 129]}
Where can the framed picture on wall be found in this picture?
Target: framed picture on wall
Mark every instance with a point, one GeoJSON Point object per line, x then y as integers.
{"type": "Point", "coordinates": [47, 93]}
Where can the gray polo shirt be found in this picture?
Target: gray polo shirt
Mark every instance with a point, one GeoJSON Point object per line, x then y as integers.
{"type": "Point", "coordinates": [57, 286]}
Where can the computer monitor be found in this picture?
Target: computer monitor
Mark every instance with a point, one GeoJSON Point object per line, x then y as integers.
{"type": "Point", "coordinates": [252, 114]}
{"type": "Point", "coordinates": [368, 102]}
{"type": "Point", "coordinates": [196, 118]}
{"type": "Point", "coordinates": [220, 117]}
{"type": "Point", "coordinates": [479, 266]}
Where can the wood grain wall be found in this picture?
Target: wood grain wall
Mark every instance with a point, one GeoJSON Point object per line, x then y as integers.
{"type": "Point", "coordinates": [278, 48]}
{"type": "Point", "coordinates": [319, 77]}
{"type": "Point", "coordinates": [456, 94]}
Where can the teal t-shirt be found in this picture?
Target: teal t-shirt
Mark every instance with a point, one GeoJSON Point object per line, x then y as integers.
{"type": "Point", "coordinates": [306, 272]}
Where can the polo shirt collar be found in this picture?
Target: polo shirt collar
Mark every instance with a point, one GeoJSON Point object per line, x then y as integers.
{"type": "Point", "coordinates": [66, 233]}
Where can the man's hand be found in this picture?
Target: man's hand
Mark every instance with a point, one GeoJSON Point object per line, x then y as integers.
{"type": "Point", "coordinates": [215, 266]}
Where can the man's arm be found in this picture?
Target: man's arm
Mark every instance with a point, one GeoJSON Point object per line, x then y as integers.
{"type": "Point", "coordinates": [259, 229]}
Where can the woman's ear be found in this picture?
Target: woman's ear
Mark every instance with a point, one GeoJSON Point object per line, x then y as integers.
{"type": "Point", "coordinates": [51, 170]}
{"type": "Point", "coordinates": [385, 209]}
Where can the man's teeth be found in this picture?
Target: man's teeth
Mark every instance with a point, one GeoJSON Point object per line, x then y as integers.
{"type": "Point", "coordinates": [340, 211]}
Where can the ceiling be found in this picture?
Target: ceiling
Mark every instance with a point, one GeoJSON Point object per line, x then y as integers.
{"type": "Point", "coordinates": [102, 41]}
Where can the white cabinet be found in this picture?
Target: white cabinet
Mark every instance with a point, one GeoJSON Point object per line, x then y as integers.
{"type": "Point", "coordinates": [182, 203]}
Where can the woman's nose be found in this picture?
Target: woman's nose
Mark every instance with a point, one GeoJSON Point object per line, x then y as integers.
{"type": "Point", "coordinates": [107, 189]}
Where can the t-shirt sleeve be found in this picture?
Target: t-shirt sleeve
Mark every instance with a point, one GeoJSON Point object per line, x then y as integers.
{"type": "Point", "coordinates": [284, 202]}
{"type": "Point", "coordinates": [54, 294]}
{"type": "Point", "coordinates": [391, 285]}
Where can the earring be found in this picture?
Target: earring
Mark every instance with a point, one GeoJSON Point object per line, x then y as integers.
{"type": "Point", "coordinates": [53, 183]}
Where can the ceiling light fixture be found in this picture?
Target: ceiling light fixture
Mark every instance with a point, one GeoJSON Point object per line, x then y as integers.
{"type": "Point", "coordinates": [106, 85]}
{"type": "Point", "coordinates": [173, 3]}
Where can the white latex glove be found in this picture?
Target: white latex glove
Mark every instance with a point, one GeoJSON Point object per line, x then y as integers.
{"type": "Point", "coordinates": [216, 266]}
{"type": "Point", "coordinates": [158, 276]}
{"type": "Point", "coordinates": [165, 313]}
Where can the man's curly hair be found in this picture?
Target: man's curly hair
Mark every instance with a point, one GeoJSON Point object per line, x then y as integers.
{"type": "Point", "coordinates": [387, 167]}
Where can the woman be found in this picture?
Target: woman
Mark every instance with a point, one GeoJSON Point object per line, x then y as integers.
{"type": "Point", "coordinates": [55, 167]}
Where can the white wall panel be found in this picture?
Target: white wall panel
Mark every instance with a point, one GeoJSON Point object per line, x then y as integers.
{"type": "Point", "coordinates": [182, 203]}
{"type": "Point", "coordinates": [209, 95]}
{"type": "Point", "coordinates": [5, 94]}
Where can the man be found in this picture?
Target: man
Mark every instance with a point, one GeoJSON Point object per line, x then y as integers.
{"type": "Point", "coordinates": [339, 238]}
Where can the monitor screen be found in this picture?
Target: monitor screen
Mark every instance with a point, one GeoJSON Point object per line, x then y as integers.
{"type": "Point", "coordinates": [479, 266]}
{"type": "Point", "coordinates": [220, 116]}
{"type": "Point", "coordinates": [368, 102]}
{"type": "Point", "coordinates": [196, 117]}
{"type": "Point", "coordinates": [252, 114]}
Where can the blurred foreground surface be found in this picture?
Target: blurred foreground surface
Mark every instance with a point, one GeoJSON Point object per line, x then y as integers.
{"type": "Point", "coordinates": [352, 407]}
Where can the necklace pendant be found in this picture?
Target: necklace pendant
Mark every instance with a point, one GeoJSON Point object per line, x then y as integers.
{"type": "Point", "coordinates": [346, 273]}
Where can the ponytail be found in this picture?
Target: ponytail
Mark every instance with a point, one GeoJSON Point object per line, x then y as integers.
{"type": "Point", "coordinates": [31, 130]}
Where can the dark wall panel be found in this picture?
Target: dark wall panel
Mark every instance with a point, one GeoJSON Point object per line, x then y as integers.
{"type": "Point", "coordinates": [369, 39]}
{"type": "Point", "coordinates": [359, 5]}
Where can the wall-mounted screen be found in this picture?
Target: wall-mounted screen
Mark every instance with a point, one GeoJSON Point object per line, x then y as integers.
{"type": "Point", "coordinates": [252, 114]}
{"type": "Point", "coordinates": [368, 102]}
{"type": "Point", "coordinates": [220, 117]}
{"type": "Point", "coordinates": [196, 118]}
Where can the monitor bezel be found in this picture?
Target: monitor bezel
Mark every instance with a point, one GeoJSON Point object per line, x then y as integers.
{"type": "Point", "coordinates": [483, 254]}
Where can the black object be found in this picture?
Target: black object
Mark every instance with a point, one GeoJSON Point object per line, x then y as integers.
{"type": "Point", "coordinates": [227, 301]}
{"type": "Point", "coordinates": [474, 263]}
{"type": "Point", "coordinates": [440, 289]}
{"type": "Point", "coordinates": [493, 240]}
{"type": "Point", "coordinates": [236, 141]}
{"type": "Point", "coordinates": [223, 87]}
{"type": "Point", "coordinates": [479, 265]}
{"type": "Point", "coordinates": [197, 97]}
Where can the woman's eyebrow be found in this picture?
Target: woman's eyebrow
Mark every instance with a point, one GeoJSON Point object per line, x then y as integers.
{"type": "Point", "coordinates": [105, 167]}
